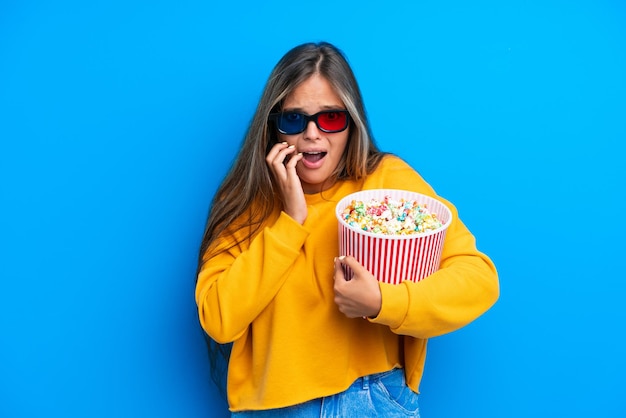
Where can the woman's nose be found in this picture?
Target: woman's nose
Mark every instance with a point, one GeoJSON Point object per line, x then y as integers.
{"type": "Point", "coordinates": [312, 131]}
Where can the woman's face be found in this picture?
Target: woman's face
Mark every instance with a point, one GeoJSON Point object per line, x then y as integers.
{"type": "Point", "coordinates": [321, 151]}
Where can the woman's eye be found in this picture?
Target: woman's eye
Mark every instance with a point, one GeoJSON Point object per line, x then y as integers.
{"type": "Point", "coordinates": [293, 116]}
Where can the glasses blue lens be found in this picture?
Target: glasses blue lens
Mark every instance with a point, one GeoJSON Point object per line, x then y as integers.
{"type": "Point", "coordinates": [292, 122]}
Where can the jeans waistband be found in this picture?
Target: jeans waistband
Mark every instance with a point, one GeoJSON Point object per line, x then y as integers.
{"type": "Point", "coordinates": [364, 381]}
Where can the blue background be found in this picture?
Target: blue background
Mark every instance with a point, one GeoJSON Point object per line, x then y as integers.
{"type": "Point", "coordinates": [118, 120]}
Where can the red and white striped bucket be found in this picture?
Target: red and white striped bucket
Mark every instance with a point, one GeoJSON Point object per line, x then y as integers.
{"type": "Point", "coordinates": [394, 258]}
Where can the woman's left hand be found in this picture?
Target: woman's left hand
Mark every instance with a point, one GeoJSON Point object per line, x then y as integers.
{"type": "Point", "coordinates": [360, 296]}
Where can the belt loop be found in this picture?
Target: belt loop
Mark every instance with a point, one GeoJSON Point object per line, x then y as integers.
{"type": "Point", "coordinates": [366, 382]}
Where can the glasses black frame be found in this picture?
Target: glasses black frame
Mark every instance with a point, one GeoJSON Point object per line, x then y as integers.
{"type": "Point", "coordinates": [275, 117]}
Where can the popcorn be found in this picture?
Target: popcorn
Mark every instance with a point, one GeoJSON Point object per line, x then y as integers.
{"type": "Point", "coordinates": [395, 234]}
{"type": "Point", "coordinates": [391, 217]}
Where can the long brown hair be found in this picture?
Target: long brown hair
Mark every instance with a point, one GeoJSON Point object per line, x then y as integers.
{"type": "Point", "coordinates": [248, 194]}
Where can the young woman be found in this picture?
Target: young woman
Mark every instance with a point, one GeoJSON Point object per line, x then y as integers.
{"type": "Point", "coordinates": [305, 341]}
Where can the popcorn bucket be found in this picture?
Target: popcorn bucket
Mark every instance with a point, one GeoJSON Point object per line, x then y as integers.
{"type": "Point", "coordinates": [393, 258]}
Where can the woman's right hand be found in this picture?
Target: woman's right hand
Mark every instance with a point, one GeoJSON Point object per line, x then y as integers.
{"type": "Point", "coordinates": [282, 160]}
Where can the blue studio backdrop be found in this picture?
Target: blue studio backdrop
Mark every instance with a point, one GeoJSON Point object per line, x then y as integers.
{"type": "Point", "coordinates": [118, 120]}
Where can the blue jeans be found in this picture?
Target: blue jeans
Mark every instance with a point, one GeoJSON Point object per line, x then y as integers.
{"type": "Point", "coordinates": [378, 395]}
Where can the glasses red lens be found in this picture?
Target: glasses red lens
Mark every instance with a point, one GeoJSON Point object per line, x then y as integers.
{"type": "Point", "coordinates": [332, 121]}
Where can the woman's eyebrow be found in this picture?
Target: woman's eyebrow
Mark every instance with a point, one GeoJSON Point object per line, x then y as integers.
{"type": "Point", "coordinates": [325, 107]}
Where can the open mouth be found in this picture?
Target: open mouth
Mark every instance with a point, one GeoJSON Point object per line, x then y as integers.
{"type": "Point", "coordinates": [313, 157]}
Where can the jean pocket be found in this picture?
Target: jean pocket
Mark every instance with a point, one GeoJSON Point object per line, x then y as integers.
{"type": "Point", "coordinates": [398, 395]}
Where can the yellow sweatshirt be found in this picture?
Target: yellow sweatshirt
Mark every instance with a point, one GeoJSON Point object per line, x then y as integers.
{"type": "Point", "coordinates": [274, 300]}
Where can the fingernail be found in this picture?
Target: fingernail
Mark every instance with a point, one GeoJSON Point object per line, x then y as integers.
{"type": "Point", "coordinates": [342, 257]}
{"type": "Point", "coordinates": [284, 143]}
{"type": "Point", "coordinates": [291, 146]}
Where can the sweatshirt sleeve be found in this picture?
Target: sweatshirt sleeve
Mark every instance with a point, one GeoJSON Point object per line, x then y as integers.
{"type": "Point", "coordinates": [234, 286]}
{"type": "Point", "coordinates": [465, 286]}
